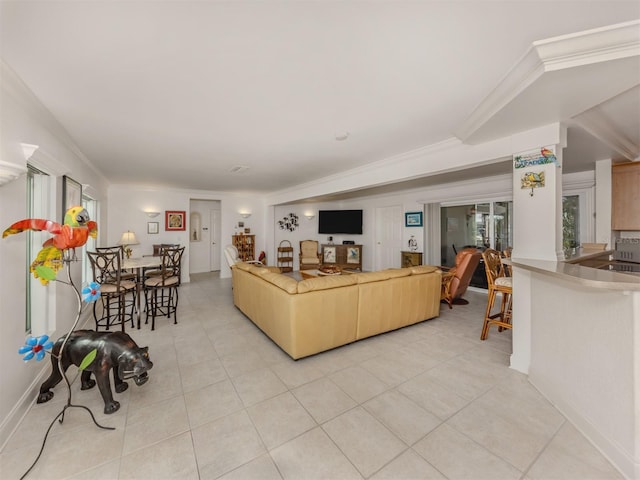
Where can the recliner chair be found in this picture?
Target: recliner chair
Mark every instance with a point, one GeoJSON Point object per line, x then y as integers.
{"type": "Point", "coordinates": [456, 279]}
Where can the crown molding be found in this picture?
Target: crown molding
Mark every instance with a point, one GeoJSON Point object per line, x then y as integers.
{"type": "Point", "coordinates": [598, 45]}
{"type": "Point", "coordinates": [599, 125]}
{"type": "Point", "coordinates": [13, 85]}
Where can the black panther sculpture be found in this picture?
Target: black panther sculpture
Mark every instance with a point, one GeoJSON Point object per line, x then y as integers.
{"type": "Point", "coordinates": [114, 350]}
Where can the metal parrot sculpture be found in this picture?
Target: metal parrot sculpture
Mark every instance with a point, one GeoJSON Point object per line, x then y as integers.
{"type": "Point", "coordinates": [74, 232]}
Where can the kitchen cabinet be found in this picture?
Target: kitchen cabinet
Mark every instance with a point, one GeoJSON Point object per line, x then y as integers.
{"type": "Point", "coordinates": [625, 196]}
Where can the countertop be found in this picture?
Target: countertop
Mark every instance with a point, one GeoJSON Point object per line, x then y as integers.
{"type": "Point", "coordinates": [587, 276]}
{"type": "Point", "coordinates": [580, 254]}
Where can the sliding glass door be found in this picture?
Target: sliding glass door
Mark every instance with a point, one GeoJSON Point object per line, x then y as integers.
{"type": "Point", "coordinates": [480, 225]}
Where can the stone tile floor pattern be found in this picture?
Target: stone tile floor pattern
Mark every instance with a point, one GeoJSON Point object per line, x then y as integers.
{"type": "Point", "coordinates": [430, 401]}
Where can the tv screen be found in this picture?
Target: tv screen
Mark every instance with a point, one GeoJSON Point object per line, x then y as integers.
{"type": "Point", "coordinates": [340, 221]}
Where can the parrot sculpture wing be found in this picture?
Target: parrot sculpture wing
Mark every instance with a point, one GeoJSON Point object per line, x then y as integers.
{"type": "Point", "coordinates": [74, 232]}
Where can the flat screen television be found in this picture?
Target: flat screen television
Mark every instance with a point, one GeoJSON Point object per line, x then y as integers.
{"type": "Point", "coordinates": [340, 221]}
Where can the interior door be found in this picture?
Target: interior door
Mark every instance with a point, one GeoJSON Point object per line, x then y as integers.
{"type": "Point", "coordinates": [388, 237]}
{"type": "Point", "coordinates": [215, 246]}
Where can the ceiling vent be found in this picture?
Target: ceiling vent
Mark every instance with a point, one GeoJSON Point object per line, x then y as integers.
{"type": "Point", "coordinates": [239, 169]}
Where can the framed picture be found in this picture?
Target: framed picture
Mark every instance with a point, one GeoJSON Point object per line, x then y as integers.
{"type": "Point", "coordinates": [174, 220]}
{"type": "Point", "coordinates": [329, 254]}
{"type": "Point", "coordinates": [71, 194]}
{"type": "Point", "coordinates": [413, 219]}
{"type": "Point", "coordinates": [153, 227]}
{"type": "Point", "coordinates": [353, 255]}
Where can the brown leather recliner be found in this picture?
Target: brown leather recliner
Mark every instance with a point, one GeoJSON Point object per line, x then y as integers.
{"type": "Point", "coordinates": [455, 280]}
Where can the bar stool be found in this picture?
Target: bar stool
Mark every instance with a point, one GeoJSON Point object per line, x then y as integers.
{"type": "Point", "coordinates": [106, 268]}
{"type": "Point", "coordinates": [161, 289]}
{"type": "Point", "coordinates": [497, 282]}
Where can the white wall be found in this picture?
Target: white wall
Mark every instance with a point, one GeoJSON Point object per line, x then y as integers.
{"type": "Point", "coordinates": [24, 120]}
{"type": "Point", "coordinates": [127, 205]}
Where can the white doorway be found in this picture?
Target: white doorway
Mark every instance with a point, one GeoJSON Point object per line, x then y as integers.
{"type": "Point", "coordinates": [388, 237]}
{"type": "Point", "coordinates": [204, 245]}
{"type": "Point", "coordinates": [215, 247]}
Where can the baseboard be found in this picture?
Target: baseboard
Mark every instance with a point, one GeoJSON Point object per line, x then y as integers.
{"type": "Point", "coordinates": [613, 452]}
{"type": "Point", "coordinates": [22, 406]}
{"type": "Point", "coordinates": [20, 409]}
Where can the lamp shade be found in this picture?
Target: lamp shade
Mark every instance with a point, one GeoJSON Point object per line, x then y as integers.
{"type": "Point", "coordinates": [128, 238]}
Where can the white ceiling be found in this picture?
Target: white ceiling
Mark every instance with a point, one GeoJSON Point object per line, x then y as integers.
{"type": "Point", "coordinates": [177, 93]}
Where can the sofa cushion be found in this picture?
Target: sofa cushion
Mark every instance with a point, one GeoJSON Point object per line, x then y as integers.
{"type": "Point", "coordinates": [287, 284]}
{"type": "Point", "coordinates": [261, 271]}
{"type": "Point", "coordinates": [422, 269]}
{"type": "Point", "coordinates": [243, 266]}
{"type": "Point", "coordinates": [325, 283]}
{"type": "Point", "coordinates": [367, 277]}
{"type": "Point", "coordinates": [397, 272]}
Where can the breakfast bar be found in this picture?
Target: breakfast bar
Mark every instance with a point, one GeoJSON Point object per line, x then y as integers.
{"type": "Point", "coordinates": [577, 335]}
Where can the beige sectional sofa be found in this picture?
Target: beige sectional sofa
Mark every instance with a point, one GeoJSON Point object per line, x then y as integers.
{"type": "Point", "coordinates": [311, 316]}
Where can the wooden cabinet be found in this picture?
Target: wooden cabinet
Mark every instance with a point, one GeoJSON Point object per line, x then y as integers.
{"type": "Point", "coordinates": [344, 256]}
{"type": "Point", "coordinates": [285, 256]}
{"type": "Point", "coordinates": [411, 259]}
{"type": "Point", "coordinates": [246, 245]}
{"type": "Point", "coordinates": [625, 196]}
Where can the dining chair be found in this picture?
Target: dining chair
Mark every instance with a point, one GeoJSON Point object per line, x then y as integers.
{"type": "Point", "coordinates": [124, 274]}
{"type": "Point", "coordinates": [161, 290]}
{"type": "Point", "coordinates": [154, 271]}
{"type": "Point", "coordinates": [309, 257]}
{"type": "Point", "coordinates": [106, 269]}
{"type": "Point", "coordinates": [498, 282]}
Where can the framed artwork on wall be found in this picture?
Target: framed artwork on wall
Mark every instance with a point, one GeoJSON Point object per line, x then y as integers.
{"type": "Point", "coordinates": [71, 194]}
{"type": "Point", "coordinates": [153, 227]}
{"type": "Point", "coordinates": [413, 219]}
{"type": "Point", "coordinates": [174, 220]}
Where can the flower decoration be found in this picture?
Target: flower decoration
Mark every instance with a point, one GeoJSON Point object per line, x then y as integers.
{"type": "Point", "coordinates": [290, 222]}
{"type": "Point", "coordinates": [91, 293]}
{"type": "Point", "coordinates": [35, 347]}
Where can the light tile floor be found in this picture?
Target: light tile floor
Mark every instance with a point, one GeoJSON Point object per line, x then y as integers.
{"type": "Point", "coordinates": [430, 401]}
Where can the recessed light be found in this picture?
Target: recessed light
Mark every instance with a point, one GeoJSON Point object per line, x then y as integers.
{"type": "Point", "coordinates": [342, 136]}
{"type": "Point", "coordinates": [239, 168]}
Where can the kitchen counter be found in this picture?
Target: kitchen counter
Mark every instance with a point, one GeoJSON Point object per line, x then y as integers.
{"type": "Point", "coordinates": [576, 333]}
{"type": "Point", "coordinates": [588, 276]}
{"type": "Point", "coordinates": [579, 255]}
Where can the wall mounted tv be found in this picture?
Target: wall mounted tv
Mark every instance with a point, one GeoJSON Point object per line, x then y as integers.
{"type": "Point", "coordinates": [340, 221]}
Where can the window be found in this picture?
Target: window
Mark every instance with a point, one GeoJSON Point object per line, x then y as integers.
{"type": "Point", "coordinates": [91, 206]}
{"type": "Point", "coordinates": [482, 225]}
{"type": "Point", "coordinates": [37, 297]}
{"type": "Point", "coordinates": [570, 221]}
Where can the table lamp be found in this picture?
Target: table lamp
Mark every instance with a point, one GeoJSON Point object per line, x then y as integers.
{"type": "Point", "coordinates": [128, 238]}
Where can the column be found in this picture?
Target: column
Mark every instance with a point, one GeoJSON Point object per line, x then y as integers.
{"type": "Point", "coordinates": [537, 232]}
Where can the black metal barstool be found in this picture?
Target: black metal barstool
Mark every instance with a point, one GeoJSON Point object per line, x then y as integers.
{"type": "Point", "coordinates": [116, 310]}
{"type": "Point", "coordinates": [161, 289]}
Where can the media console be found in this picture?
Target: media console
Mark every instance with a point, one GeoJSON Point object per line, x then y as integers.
{"type": "Point", "coordinates": [343, 256]}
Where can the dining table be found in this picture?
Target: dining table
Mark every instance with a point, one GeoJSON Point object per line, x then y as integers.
{"type": "Point", "coordinates": [139, 264]}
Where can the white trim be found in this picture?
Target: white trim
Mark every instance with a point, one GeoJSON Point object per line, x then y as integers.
{"type": "Point", "coordinates": [598, 45]}
{"type": "Point", "coordinates": [603, 128]}
{"type": "Point", "coordinates": [16, 88]}
{"type": "Point", "coordinates": [583, 185]}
